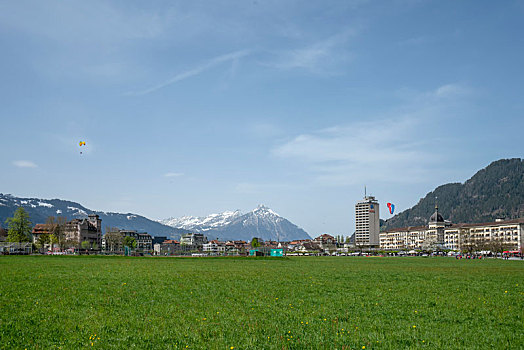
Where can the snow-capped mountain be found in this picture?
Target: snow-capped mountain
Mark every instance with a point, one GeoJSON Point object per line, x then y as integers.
{"type": "Point", "coordinates": [261, 222]}
{"type": "Point", "coordinates": [40, 209]}
{"type": "Point", "coordinates": [203, 223]}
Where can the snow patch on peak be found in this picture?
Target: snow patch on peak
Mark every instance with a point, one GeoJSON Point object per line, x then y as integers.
{"type": "Point", "coordinates": [43, 204]}
{"type": "Point", "coordinates": [78, 211]}
{"type": "Point", "coordinates": [203, 223]}
{"type": "Point", "coordinates": [262, 209]}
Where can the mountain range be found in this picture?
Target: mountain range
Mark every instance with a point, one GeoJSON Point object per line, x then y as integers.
{"type": "Point", "coordinates": [261, 222]}
{"type": "Point", "coordinates": [40, 209]}
{"type": "Point", "coordinates": [233, 225]}
{"type": "Point", "coordinates": [494, 192]}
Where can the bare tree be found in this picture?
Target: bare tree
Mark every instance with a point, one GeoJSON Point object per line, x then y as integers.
{"type": "Point", "coordinates": [114, 239]}
{"type": "Point", "coordinates": [498, 246]}
{"type": "Point", "coordinates": [57, 227]}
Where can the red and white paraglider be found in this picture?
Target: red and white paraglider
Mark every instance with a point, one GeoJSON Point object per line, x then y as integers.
{"type": "Point", "coordinates": [391, 207]}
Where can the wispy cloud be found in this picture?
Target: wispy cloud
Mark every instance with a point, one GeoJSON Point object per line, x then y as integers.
{"type": "Point", "coordinates": [321, 57]}
{"type": "Point", "coordinates": [363, 150]}
{"type": "Point", "coordinates": [24, 164]}
{"type": "Point", "coordinates": [173, 174]}
{"type": "Point", "coordinates": [414, 41]}
{"type": "Point", "coordinates": [98, 22]}
{"type": "Point", "coordinates": [401, 147]}
{"type": "Point", "coordinates": [194, 71]}
{"type": "Point", "coordinates": [451, 90]}
{"type": "Point", "coordinates": [444, 94]}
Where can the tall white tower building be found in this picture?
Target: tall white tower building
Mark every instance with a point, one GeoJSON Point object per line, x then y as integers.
{"type": "Point", "coordinates": [367, 223]}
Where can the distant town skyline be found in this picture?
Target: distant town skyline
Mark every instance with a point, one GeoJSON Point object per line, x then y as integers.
{"type": "Point", "coordinates": [198, 108]}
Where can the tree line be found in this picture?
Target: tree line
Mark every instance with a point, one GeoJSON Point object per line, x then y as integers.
{"type": "Point", "coordinates": [20, 229]}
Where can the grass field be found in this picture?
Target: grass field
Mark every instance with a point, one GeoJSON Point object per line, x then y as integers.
{"type": "Point", "coordinates": [250, 303]}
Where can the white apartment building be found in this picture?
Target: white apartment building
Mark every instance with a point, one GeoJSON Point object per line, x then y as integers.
{"type": "Point", "coordinates": [367, 223]}
{"type": "Point", "coordinates": [505, 233]}
{"type": "Point", "coordinates": [214, 247]}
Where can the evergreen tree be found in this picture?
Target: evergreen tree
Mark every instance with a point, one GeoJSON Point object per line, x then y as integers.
{"type": "Point", "coordinates": [19, 227]}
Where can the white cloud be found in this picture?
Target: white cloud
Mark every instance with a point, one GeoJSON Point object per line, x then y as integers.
{"type": "Point", "coordinates": [195, 71]}
{"type": "Point", "coordinates": [24, 164]}
{"type": "Point", "coordinates": [443, 94]}
{"type": "Point", "coordinates": [451, 90]}
{"type": "Point", "coordinates": [360, 151]}
{"type": "Point", "coordinates": [405, 146]}
{"type": "Point", "coordinates": [321, 57]}
{"type": "Point", "coordinates": [173, 174]}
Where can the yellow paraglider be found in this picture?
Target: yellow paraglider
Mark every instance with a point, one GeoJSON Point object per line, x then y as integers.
{"type": "Point", "coordinates": [80, 144]}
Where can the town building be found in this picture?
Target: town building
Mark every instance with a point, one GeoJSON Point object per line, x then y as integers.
{"type": "Point", "coordinates": [75, 232]}
{"type": "Point", "coordinates": [440, 234]}
{"type": "Point", "coordinates": [80, 230]}
{"type": "Point", "coordinates": [367, 223]}
{"type": "Point", "coordinates": [144, 241]}
{"type": "Point", "coordinates": [237, 247]}
{"type": "Point", "coordinates": [196, 240]}
{"type": "Point", "coordinates": [159, 239]}
{"type": "Point", "coordinates": [40, 230]}
{"type": "Point", "coordinates": [214, 247]}
{"type": "Point", "coordinates": [327, 243]}
{"type": "Point", "coordinates": [168, 247]}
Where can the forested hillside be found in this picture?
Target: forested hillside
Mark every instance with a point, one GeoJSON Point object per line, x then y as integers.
{"type": "Point", "coordinates": [496, 191]}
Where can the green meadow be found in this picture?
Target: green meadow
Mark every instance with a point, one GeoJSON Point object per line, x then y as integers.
{"type": "Point", "coordinates": [60, 302]}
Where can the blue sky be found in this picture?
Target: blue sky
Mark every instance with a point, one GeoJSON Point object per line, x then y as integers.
{"type": "Point", "coordinates": [191, 108]}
